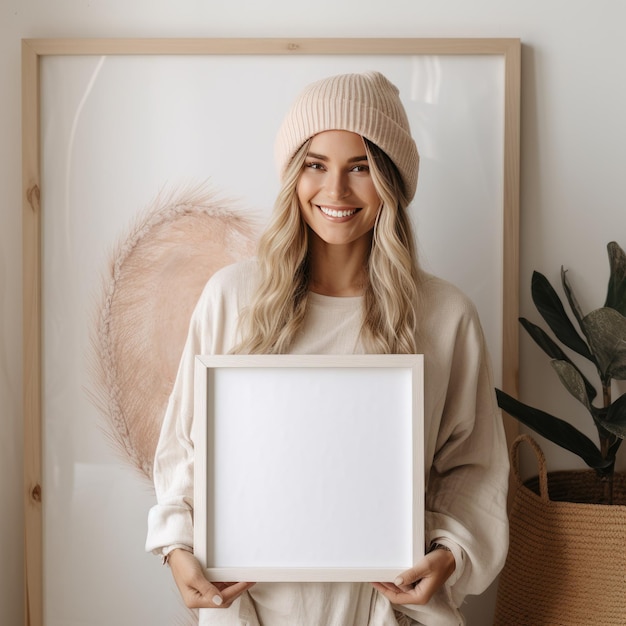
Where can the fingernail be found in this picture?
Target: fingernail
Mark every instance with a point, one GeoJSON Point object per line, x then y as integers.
{"type": "Point", "coordinates": [398, 581]}
{"type": "Point", "coordinates": [217, 600]}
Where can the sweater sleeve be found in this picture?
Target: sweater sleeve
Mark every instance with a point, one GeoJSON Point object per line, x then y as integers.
{"type": "Point", "coordinates": [170, 521]}
{"type": "Point", "coordinates": [212, 330]}
{"type": "Point", "coordinates": [468, 480]}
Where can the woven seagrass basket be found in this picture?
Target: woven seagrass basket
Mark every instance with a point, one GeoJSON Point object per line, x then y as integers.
{"type": "Point", "coordinates": [566, 564]}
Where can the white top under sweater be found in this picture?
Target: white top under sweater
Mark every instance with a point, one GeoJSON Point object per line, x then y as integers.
{"type": "Point", "coordinates": [466, 462]}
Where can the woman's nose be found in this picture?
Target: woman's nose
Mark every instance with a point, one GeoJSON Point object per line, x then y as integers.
{"type": "Point", "coordinates": [337, 184]}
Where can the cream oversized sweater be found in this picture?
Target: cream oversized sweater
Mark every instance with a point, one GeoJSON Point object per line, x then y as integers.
{"type": "Point", "coordinates": [466, 463]}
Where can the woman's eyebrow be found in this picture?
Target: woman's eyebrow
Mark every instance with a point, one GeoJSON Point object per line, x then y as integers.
{"type": "Point", "coordinates": [321, 157]}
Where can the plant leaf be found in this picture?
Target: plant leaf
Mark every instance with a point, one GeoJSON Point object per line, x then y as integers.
{"type": "Point", "coordinates": [605, 329]}
{"type": "Point", "coordinates": [551, 309]}
{"type": "Point", "coordinates": [542, 339]}
{"type": "Point", "coordinates": [573, 381]}
{"type": "Point", "coordinates": [614, 448]}
{"type": "Point", "coordinates": [616, 292]}
{"type": "Point", "coordinates": [571, 298]}
{"type": "Point", "coordinates": [615, 420]}
{"type": "Point", "coordinates": [555, 429]}
{"type": "Point", "coordinates": [553, 350]}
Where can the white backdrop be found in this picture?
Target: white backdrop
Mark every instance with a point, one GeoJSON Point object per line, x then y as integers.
{"type": "Point", "coordinates": [118, 130]}
{"type": "Point", "coordinates": [572, 200]}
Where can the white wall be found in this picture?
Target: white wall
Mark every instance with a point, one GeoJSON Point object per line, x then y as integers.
{"type": "Point", "coordinates": [573, 154]}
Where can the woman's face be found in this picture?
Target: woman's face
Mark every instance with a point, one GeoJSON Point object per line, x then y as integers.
{"type": "Point", "coordinates": [335, 190]}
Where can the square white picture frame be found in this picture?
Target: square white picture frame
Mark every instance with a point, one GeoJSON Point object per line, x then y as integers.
{"type": "Point", "coordinates": [308, 468]}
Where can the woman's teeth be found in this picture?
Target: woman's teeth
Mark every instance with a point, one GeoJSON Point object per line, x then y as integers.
{"type": "Point", "coordinates": [336, 213]}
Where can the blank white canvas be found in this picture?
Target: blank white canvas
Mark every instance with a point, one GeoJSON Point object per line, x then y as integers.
{"type": "Point", "coordinates": [308, 472]}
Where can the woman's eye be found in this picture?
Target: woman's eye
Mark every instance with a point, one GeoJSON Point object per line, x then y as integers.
{"type": "Point", "coordinates": [361, 168]}
{"type": "Point", "coordinates": [314, 165]}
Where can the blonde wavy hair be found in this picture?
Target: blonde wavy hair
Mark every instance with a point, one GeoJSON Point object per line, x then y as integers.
{"type": "Point", "coordinates": [390, 306]}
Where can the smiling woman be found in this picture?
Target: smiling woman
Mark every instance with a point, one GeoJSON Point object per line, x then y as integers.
{"type": "Point", "coordinates": [337, 273]}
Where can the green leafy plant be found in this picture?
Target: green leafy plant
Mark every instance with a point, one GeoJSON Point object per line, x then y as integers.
{"type": "Point", "coordinates": [602, 341]}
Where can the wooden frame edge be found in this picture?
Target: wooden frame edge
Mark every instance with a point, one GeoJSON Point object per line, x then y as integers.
{"type": "Point", "coordinates": [511, 202]}
{"type": "Point", "coordinates": [31, 301]}
{"type": "Point", "coordinates": [356, 45]}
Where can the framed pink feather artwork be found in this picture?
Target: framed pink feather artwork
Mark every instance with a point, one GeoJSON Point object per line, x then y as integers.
{"type": "Point", "coordinates": [147, 165]}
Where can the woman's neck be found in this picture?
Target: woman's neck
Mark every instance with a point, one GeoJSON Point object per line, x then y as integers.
{"type": "Point", "coordinates": [337, 270]}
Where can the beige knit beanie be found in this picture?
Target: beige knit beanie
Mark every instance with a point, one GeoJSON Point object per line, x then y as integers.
{"type": "Point", "coordinates": [366, 104]}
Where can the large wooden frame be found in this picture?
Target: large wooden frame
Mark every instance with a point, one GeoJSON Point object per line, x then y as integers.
{"type": "Point", "coordinates": [35, 50]}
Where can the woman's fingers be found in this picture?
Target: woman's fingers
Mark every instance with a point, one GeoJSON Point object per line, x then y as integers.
{"type": "Point", "coordinates": [217, 595]}
{"type": "Point", "coordinates": [419, 583]}
{"type": "Point", "coordinates": [196, 590]}
{"type": "Point", "coordinates": [232, 591]}
{"type": "Point", "coordinates": [200, 593]}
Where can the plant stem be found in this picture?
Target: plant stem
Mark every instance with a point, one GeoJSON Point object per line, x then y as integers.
{"type": "Point", "coordinates": [606, 393]}
{"type": "Point", "coordinates": [605, 444]}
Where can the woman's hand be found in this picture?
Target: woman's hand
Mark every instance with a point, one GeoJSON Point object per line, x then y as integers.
{"type": "Point", "coordinates": [418, 584]}
{"type": "Point", "coordinates": [196, 590]}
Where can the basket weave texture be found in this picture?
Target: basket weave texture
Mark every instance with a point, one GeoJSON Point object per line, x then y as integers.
{"type": "Point", "coordinates": [566, 564]}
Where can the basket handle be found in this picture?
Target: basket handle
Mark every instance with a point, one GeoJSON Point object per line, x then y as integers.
{"type": "Point", "coordinates": [541, 462]}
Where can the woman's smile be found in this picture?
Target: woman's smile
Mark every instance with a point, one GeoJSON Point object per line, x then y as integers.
{"type": "Point", "coordinates": [338, 212]}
